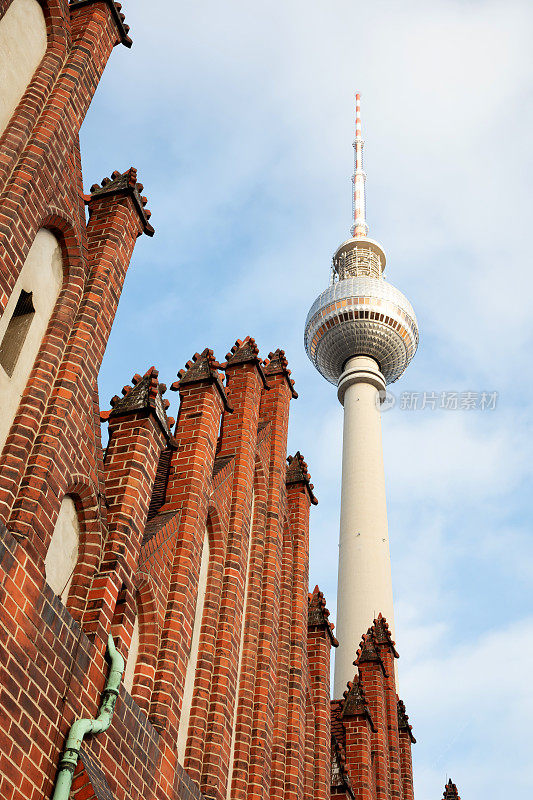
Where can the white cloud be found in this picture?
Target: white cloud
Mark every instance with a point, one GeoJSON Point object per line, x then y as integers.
{"type": "Point", "coordinates": [453, 457]}
{"type": "Point", "coordinates": [470, 702]}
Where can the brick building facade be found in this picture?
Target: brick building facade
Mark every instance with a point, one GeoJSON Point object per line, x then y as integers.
{"type": "Point", "coordinates": [186, 540]}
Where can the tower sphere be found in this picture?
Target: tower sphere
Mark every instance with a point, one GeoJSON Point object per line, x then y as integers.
{"type": "Point", "coordinates": [360, 313]}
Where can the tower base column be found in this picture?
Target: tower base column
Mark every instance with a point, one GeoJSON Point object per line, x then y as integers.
{"type": "Point", "coordinates": [365, 583]}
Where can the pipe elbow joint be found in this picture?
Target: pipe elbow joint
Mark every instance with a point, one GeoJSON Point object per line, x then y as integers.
{"type": "Point", "coordinates": [82, 727]}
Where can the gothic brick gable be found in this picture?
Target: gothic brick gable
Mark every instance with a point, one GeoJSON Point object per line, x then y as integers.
{"type": "Point", "coordinates": [191, 531]}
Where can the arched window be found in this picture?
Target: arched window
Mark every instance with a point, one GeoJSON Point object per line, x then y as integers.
{"type": "Point", "coordinates": [16, 332]}
{"type": "Point", "coordinates": [190, 673]}
{"type": "Point", "coordinates": [25, 319]}
{"type": "Point", "coordinates": [62, 555]}
{"type": "Point", "coordinates": [131, 661]}
{"type": "Point", "coordinates": [22, 46]}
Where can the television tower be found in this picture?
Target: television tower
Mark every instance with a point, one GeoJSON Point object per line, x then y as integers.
{"type": "Point", "coordinates": [361, 333]}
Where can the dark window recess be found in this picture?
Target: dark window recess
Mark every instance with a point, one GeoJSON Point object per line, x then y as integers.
{"type": "Point", "coordinates": [159, 489]}
{"type": "Point", "coordinates": [16, 332]}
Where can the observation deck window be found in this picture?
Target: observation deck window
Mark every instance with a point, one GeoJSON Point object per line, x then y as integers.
{"type": "Point", "coordinates": [357, 261]}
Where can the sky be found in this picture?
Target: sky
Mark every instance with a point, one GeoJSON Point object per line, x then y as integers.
{"type": "Point", "coordinates": [239, 118]}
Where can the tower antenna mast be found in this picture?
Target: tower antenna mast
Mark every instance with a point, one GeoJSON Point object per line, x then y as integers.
{"type": "Point", "coordinates": [359, 228]}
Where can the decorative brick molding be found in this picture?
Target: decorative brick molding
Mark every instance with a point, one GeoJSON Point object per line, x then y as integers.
{"type": "Point", "coordinates": [246, 351]}
{"type": "Point", "coordinates": [355, 703]}
{"type": "Point", "coordinates": [382, 635]}
{"type": "Point", "coordinates": [118, 17]}
{"type": "Point", "coordinates": [297, 473]}
{"type": "Point", "coordinates": [340, 779]}
{"type": "Point", "coordinates": [403, 722]}
{"type": "Point", "coordinates": [144, 398]}
{"type": "Point", "coordinates": [450, 791]}
{"type": "Point", "coordinates": [406, 739]}
{"type": "Point", "coordinates": [318, 616]}
{"type": "Point", "coordinates": [202, 368]}
{"type": "Point", "coordinates": [123, 184]}
{"type": "Point", "coordinates": [371, 725]}
{"type": "Point", "coordinates": [277, 364]}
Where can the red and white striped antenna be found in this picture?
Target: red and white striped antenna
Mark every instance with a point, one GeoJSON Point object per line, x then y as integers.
{"type": "Point", "coordinates": [359, 227]}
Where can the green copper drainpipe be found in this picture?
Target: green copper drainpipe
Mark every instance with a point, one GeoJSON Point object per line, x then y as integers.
{"type": "Point", "coordinates": [82, 727]}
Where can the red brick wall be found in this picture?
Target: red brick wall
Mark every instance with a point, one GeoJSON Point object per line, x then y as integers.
{"type": "Point", "coordinates": [238, 441]}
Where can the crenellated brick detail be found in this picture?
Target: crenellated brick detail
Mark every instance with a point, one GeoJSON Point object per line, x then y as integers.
{"type": "Point", "coordinates": [341, 786]}
{"type": "Point", "coordinates": [318, 615]}
{"type": "Point", "coordinates": [277, 364]}
{"type": "Point", "coordinates": [406, 762]}
{"type": "Point", "coordinates": [450, 791]}
{"type": "Point", "coordinates": [115, 10]}
{"type": "Point", "coordinates": [297, 473]}
{"type": "Point", "coordinates": [385, 645]}
{"type": "Point", "coordinates": [371, 724]}
{"type": "Point", "coordinates": [246, 351]}
{"type": "Point", "coordinates": [359, 734]}
{"type": "Point", "coordinates": [373, 678]}
{"type": "Point", "coordinates": [138, 430]}
{"type": "Point", "coordinates": [123, 184]}
{"type": "Point", "coordinates": [320, 640]}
